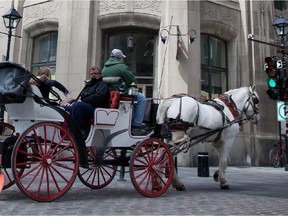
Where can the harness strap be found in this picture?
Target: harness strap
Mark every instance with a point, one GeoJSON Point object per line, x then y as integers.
{"type": "Point", "coordinates": [178, 119]}
{"type": "Point", "coordinates": [227, 100]}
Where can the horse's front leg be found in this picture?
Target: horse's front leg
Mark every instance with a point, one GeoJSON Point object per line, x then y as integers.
{"type": "Point", "coordinates": [219, 174]}
{"type": "Point", "coordinates": [222, 169]}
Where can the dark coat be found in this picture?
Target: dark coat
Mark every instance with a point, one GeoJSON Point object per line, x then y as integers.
{"type": "Point", "coordinates": [46, 85]}
{"type": "Point", "coordinates": [95, 93]}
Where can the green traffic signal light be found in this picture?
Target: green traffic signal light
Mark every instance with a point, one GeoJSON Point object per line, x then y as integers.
{"type": "Point", "coordinates": [271, 82]}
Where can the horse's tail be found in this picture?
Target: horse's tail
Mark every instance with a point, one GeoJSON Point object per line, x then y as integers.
{"type": "Point", "coordinates": [162, 111]}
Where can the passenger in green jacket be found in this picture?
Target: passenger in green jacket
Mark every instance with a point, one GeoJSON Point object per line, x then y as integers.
{"type": "Point", "coordinates": [115, 67]}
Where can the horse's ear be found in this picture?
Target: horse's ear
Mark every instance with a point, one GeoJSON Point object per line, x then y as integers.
{"type": "Point", "coordinates": [252, 88]}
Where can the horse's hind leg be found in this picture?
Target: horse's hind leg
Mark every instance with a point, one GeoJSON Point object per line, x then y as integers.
{"type": "Point", "coordinates": [177, 183]}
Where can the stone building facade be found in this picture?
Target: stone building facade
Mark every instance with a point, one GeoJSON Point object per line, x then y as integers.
{"type": "Point", "coordinates": [72, 36]}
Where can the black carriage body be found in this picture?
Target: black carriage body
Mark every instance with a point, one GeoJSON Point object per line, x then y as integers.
{"type": "Point", "coordinates": [6, 148]}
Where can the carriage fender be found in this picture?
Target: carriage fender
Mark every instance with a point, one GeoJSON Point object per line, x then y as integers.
{"type": "Point", "coordinates": [76, 132]}
{"type": "Point", "coordinates": [103, 146]}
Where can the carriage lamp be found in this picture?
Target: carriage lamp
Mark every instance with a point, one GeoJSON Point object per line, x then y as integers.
{"type": "Point", "coordinates": [11, 20]}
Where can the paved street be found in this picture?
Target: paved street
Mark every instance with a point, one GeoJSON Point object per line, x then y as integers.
{"type": "Point", "coordinates": [261, 190]}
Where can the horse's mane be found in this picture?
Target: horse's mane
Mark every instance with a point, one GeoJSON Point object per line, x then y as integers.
{"type": "Point", "coordinates": [232, 91]}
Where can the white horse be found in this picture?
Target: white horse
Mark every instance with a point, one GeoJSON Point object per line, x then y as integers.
{"type": "Point", "coordinates": [217, 122]}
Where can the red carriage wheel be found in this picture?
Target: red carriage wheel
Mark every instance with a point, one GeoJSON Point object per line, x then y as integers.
{"type": "Point", "coordinates": [151, 167]}
{"type": "Point", "coordinates": [99, 177]}
{"type": "Point", "coordinates": [8, 176]}
{"type": "Point", "coordinates": [8, 130]}
{"type": "Point", "coordinates": [50, 157]}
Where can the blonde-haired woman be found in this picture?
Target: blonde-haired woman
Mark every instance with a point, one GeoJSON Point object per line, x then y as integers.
{"type": "Point", "coordinates": [46, 85]}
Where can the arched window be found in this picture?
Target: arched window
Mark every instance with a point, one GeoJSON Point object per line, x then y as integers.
{"type": "Point", "coordinates": [213, 66]}
{"type": "Point", "coordinates": [138, 46]}
{"type": "Point", "coordinates": [44, 51]}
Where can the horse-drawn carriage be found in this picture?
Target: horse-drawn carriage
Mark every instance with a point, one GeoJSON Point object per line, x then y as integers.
{"type": "Point", "coordinates": [43, 150]}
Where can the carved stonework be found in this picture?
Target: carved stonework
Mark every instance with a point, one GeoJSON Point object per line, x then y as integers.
{"type": "Point", "coordinates": [152, 5]}
{"type": "Point", "coordinates": [106, 5]}
{"type": "Point", "coordinates": [218, 13]}
{"type": "Point", "coordinates": [230, 17]}
{"type": "Point", "coordinates": [262, 6]}
{"type": "Point", "coordinates": [40, 11]}
{"type": "Point", "coordinates": [208, 10]}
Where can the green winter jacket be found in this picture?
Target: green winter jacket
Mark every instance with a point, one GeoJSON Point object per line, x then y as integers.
{"type": "Point", "coordinates": [116, 68]}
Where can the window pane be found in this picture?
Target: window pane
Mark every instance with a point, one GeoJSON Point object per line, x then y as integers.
{"type": "Point", "coordinates": [44, 51]}
{"type": "Point", "coordinates": [213, 66]}
{"type": "Point", "coordinates": [216, 84]}
{"type": "Point", "coordinates": [53, 46]}
{"type": "Point", "coordinates": [217, 53]}
{"type": "Point", "coordinates": [138, 46]}
{"type": "Point", "coordinates": [204, 50]}
{"type": "Point", "coordinates": [139, 49]}
{"type": "Point", "coordinates": [44, 48]}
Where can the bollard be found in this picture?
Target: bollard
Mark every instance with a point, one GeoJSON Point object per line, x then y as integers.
{"type": "Point", "coordinates": [203, 164]}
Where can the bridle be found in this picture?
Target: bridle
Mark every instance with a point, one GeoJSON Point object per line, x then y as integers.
{"type": "Point", "coordinates": [252, 101]}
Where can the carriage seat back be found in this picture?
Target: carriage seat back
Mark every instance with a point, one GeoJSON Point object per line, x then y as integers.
{"type": "Point", "coordinates": [114, 99]}
{"type": "Point", "coordinates": [13, 83]}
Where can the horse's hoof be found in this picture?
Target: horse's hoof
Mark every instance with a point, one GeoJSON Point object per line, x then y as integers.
{"type": "Point", "coordinates": [224, 186]}
{"type": "Point", "coordinates": [181, 188]}
{"type": "Point", "coordinates": [216, 176]}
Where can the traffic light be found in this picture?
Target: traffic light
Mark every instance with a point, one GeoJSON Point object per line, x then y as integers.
{"type": "Point", "coordinates": [274, 79]}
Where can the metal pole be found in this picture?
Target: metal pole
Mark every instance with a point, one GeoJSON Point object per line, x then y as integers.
{"type": "Point", "coordinates": [7, 59]}
{"type": "Point", "coordinates": [285, 99]}
{"type": "Point", "coordinates": [8, 45]}
{"type": "Point", "coordinates": [122, 168]}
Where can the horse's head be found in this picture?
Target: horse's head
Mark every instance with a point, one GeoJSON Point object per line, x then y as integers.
{"type": "Point", "coordinates": [251, 105]}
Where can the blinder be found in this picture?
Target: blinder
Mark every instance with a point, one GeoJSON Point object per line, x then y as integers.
{"type": "Point", "coordinates": [252, 101]}
{"type": "Point", "coordinates": [255, 99]}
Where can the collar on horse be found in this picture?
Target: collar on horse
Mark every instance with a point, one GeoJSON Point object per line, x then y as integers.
{"type": "Point", "coordinates": [227, 100]}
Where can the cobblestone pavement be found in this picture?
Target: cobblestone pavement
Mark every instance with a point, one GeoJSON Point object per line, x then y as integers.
{"type": "Point", "coordinates": [253, 191]}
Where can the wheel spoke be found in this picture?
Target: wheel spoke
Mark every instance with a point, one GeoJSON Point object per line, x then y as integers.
{"type": "Point", "coordinates": [151, 169]}
{"type": "Point", "coordinates": [99, 177]}
{"type": "Point", "coordinates": [50, 169]}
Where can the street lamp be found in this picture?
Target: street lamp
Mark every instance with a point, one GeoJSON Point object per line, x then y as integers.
{"type": "Point", "coordinates": [281, 28]}
{"type": "Point", "coordinates": [11, 20]}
